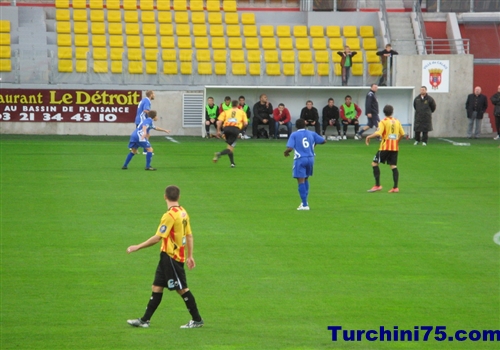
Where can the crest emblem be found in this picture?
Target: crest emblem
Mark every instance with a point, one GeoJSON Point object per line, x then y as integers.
{"type": "Point", "coordinates": [435, 77]}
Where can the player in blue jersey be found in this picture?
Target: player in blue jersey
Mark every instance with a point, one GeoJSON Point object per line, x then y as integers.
{"type": "Point", "coordinates": [302, 142]}
{"type": "Point", "coordinates": [140, 138]}
{"type": "Point", "coordinates": [144, 107]}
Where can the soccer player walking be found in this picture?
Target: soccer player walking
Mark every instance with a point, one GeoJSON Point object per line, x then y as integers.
{"type": "Point", "coordinates": [391, 131]}
{"type": "Point", "coordinates": [175, 234]}
{"type": "Point", "coordinates": [302, 142]}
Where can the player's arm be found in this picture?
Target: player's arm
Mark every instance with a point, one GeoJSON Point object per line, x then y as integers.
{"type": "Point", "coordinates": [377, 133]}
{"type": "Point", "coordinates": [164, 130]}
{"type": "Point", "coordinates": [150, 242]}
{"type": "Point", "coordinates": [287, 151]}
{"type": "Point", "coordinates": [190, 246]}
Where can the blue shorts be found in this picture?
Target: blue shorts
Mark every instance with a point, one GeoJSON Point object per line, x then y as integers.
{"type": "Point", "coordinates": [373, 121]}
{"type": "Point", "coordinates": [303, 167]}
{"type": "Point", "coordinates": [136, 145]}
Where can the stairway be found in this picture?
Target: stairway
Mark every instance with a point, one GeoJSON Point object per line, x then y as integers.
{"type": "Point", "coordinates": [402, 36]}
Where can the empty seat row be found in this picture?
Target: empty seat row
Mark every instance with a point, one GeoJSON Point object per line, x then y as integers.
{"type": "Point", "coordinates": [178, 5]}
{"type": "Point", "coordinates": [5, 48]}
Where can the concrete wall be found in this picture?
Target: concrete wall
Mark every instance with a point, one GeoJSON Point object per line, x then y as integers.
{"type": "Point", "coordinates": [450, 119]}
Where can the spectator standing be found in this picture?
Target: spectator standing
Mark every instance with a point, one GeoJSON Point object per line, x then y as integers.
{"type": "Point", "coordinates": [281, 117]}
{"type": "Point", "coordinates": [346, 63]}
{"type": "Point", "coordinates": [310, 115]}
{"type": "Point", "coordinates": [495, 99]}
{"type": "Point", "coordinates": [476, 106]}
{"type": "Point", "coordinates": [331, 117]}
{"type": "Point", "coordinates": [386, 56]}
{"type": "Point", "coordinates": [349, 112]}
{"type": "Point", "coordinates": [424, 106]}
{"type": "Point", "coordinates": [262, 112]}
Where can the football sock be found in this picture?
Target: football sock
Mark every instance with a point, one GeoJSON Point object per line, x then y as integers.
{"type": "Point", "coordinates": [129, 158]}
{"type": "Point", "coordinates": [188, 298]}
{"type": "Point", "coordinates": [149, 155]}
{"type": "Point", "coordinates": [207, 129]}
{"type": "Point", "coordinates": [154, 301]}
{"type": "Point", "coordinates": [231, 157]}
{"type": "Point", "coordinates": [395, 176]}
{"type": "Point", "coordinates": [376, 174]}
{"type": "Point", "coordinates": [360, 132]}
{"type": "Point", "coordinates": [226, 151]}
{"type": "Point", "coordinates": [303, 194]}
{"type": "Point", "coordinates": [307, 188]}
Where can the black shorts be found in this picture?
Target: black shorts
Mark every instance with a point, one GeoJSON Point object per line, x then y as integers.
{"type": "Point", "coordinates": [170, 273]}
{"type": "Point", "coordinates": [373, 121]}
{"type": "Point", "coordinates": [389, 157]}
{"type": "Point", "coordinates": [231, 133]}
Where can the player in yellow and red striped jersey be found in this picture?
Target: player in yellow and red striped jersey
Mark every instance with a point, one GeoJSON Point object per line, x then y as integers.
{"type": "Point", "coordinates": [391, 131]}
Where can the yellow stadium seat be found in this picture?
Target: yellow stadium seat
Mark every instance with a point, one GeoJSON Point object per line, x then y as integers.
{"type": "Point", "coordinates": [271, 56]}
{"type": "Point", "coordinates": [162, 5]}
{"type": "Point", "coordinates": [285, 43]}
{"type": "Point", "coordinates": [372, 57]}
{"type": "Point", "coordinates": [233, 30]}
{"type": "Point", "coordinates": [213, 6]}
{"type": "Point", "coordinates": [350, 31]}
{"type": "Point", "coordinates": [62, 52]}
{"type": "Point", "coordinates": [133, 41]}
{"type": "Point", "coordinates": [201, 43]}
{"type": "Point", "coordinates": [146, 5]}
{"type": "Point", "coordinates": [254, 69]}
{"type": "Point", "coordinates": [97, 15]}
{"type": "Point", "coordinates": [61, 28]}
{"type": "Point", "coordinates": [129, 5]}
{"type": "Point", "coordinates": [239, 69]}
{"type": "Point", "coordinates": [336, 44]}
{"type": "Point", "coordinates": [116, 67]}
{"type": "Point", "coordinates": [252, 43]}
{"type": "Point", "coordinates": [205, 68]}
{"type": "Point", "coordinates": [113, 4]}
{"type": "Point", "coordinates": [322, 56]}
{"type": "Point", "coordinates": [316, 31]}
{"type": "Point", "coordinates": [151, 54]}
{"type": "Point", "coordinates": [300, 31]}
{"type": "Point", "coordinates": [196, 5]}
{"type": "Point", "coordinates": [100, 40]}
{"type": "Point", "coordinates": [100, 53]}
{"type": "Point", "coordinates": [220, 55]}
{"type": "Point", "coordinates": [64, 66]}
{"type": "Point", "coordinates": [288, 56]}
{"type": "Point", "coordinates": [214, 18]}
{"type": "Point", "coordinates": [283, 31]}
{"type": "Point", "coordinates": [81, 66]}
{"type": "Point", "coordinates": [100, 66]}
{"type": "Point", "coordinates": [307, 69]}
{"type": "Point", "coordinates": [302, 44]}
{"type": "Point", "coordinates": [198, 17]}
{"type": "Point", "coordinates": [273, 69]}
{"type": "Point", "coordinates": [323, 69]}
{"type": "Point", "coordinates": [370, 44]}
{"type": "Point", "coordinates": [181, 17]}
{"type": "Point", "coordinates": [235, 43]}
{"type": "Point", "coordinates": [115, 28]}
{"type": "Point", "coordinates": [62, 15]}
{"type": "Point", "coordinates": [184, 42]}
{"type": "Point", "coordinates": [167, 42]}
{"type": "Point", "coordinates": [200, 30]}
{"type": "Point", "coordinates": [186, 68]}
{"type": "Point", "coordinates": [79, 15]}
{"type": "Point", "coordinates": [266, 31]}
{"type": "Point", "coordinates": [250, 31]}
{"type": "Point", "coordinates": [231, 18]}
{"type": "Point", "coordinates": [166, 29]}
{"type": "Point", "coordinates": [253, 56]}
{"type": "Point", "coordinates": [237, 56]}
{"type": "Point", "coordinates": [151, 67]}
{"type": "Point", "coordinates": [180, 5]}
{"type": "Point", "coordinates": [186, 55]}
{"type": "Point", "coordinates": [135, 67]}
{"type": "Point", "coordinates": [79, 4]}
{"type": "Point", "coordinates": [336, 57]}
{"type": "Point", "coordinates": [358, 58]}
{"type": "Point", "coordinates": [229, 5]}
{"type": "Point", "coordinates": [169, 55]}
{"type": "Point", "coordinates": [114, 16]}
{"type": "Point", "coordinates": [366, 32]}
{"type": "Point", "coordinates": [81, 27]}
{"type": "Point", "coordinates": [62, 4]}
{"type": "Point", "coordinates": [375, 69]}
{"type": "Point", "coordinates": [150, 41]}
{"type": "Point", "coordinates": [269, 43]}
{"type": "Point", "coordinates": [353, 43]}
{"type": "Point", "coordinates": [81, 40]}
{"type": "Point", "coordinates": [305, 56]}
{"type": "Point", "coordinates": [216, 30]}
{"type": "Point", "coordinates": [148, 17]}
{"type": "Point", "coordinates": [357, 69]}
{"type": "Point", "coordinates": [164, 17]}
{"type": "Point", "coordinates": [62, 39]}
{"type": "Point", "coordinates": [132, 28]}
{"type": "Point", "coordinates": [81, 52]}
{"type": "Point", "coordinates": [203, 56]}
{"type": "Point", "coordinates": [6, 52]}
{"type": "Point", "coordinates": [319, 43]}
{"type": "Point", "coordinates": [97, 28]}
{"type": "Point", "coordinates": [333, 31]}
{"type": "Point", "coordinates": [149, 29]}
{"type": "Point", "coordinates": [218, 43]}
{"type": "Point", "coordinates": [289, 69]}
{"type": "Point", "coordinates": [130, 16]}
{"type": "Point", "coordinates": [134, 54]}
{"type": "Point", "coordinates": [170, 68]}
{"type": "Point", "coordinates": [96, 4]}
{"type": "Point", "coordinates": [220, 68]}
{"type": "Point", "coordinates": [182, 30]}
{"type": "Point", "coordinates": [337, 69]}
{"type": "Point", "coordinates": [116, 53]}
{"type": "Point", "coordinates": [248, 18]}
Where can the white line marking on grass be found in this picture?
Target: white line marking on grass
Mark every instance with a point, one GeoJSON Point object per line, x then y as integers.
{"type": "Point", "coordinates": [171, 139]}
{"type": "Point", "coordinates": [456, 143]}
{"type": "Point", "coordinates": [496, 238]}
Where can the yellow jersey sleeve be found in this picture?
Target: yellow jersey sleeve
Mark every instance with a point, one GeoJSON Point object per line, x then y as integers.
{"type": "Point", "coordinates": [166, 224]}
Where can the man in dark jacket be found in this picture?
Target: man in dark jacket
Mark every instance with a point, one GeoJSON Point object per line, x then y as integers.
{"type": "Point", "coordinates": [311, 116]}
{"type": "Point", "coordinates": [331, 117]}
{"type": "Point", "coordinates": [424, 106]}
{"type": "Point", "coordinates": [495, 99]}
{"type": "Point", "coordinates": [386, 56]}
{"type": "Point", "coordinates": [371, 111]}
{"type": "Point", "coordinates": [262, 115]}
{"type": "Point", "coordinates": [476, 106]}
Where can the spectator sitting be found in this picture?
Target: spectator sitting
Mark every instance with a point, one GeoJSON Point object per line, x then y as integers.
{"type": "Point", "coordinates": [331, 117]}
{"type": "Point", "coordinates": [311, 116]}
{"type": "Point", "coordinates": [210, 116]}
{"type": "Point", "coordinates": [262, 112]}
{"type": "Point", "coordinates": [350, 112]}
{"type": "Point", "coordinates": [226, 105]}
{"type": "Point", "coordinates": [282, 116]}
{"type": "Point", "coordinates": [242, 105]}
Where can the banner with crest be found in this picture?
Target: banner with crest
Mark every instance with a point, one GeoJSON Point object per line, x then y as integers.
{"type": "Point", "coordinates": [436, 75]}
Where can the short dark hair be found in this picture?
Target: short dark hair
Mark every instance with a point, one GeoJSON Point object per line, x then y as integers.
{"type": "Point", "coordinates": [172, 193]}
{"type": "Point", "coordinates": [388, 110]}
{"type": "Point", "coordinates": [331, 99]}
{"type": "Point", "coordinates": [235, 103]}
{"type": "Point", "coordinates": [300, 124]}
{"type": "Point", "coordinates": [241, 97]}
{"type": "Point", "coordinates": [425, 87]}
{"type": "Point", "coordinates": [227, 98]}
{"type": "Point", "coordinates": [151, 114]}
{"type": "Point", "coordinates": [281, 104]}
{"type": "Point", "coordinates": [348, 96]}
{"type": "Point", "coordinates": [210, 97]}
{"type": "Point", "coordinates": [309, 101]}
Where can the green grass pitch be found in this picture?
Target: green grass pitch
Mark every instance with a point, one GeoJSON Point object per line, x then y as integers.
{"type": "Point", "coordinates": [267, 276]}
